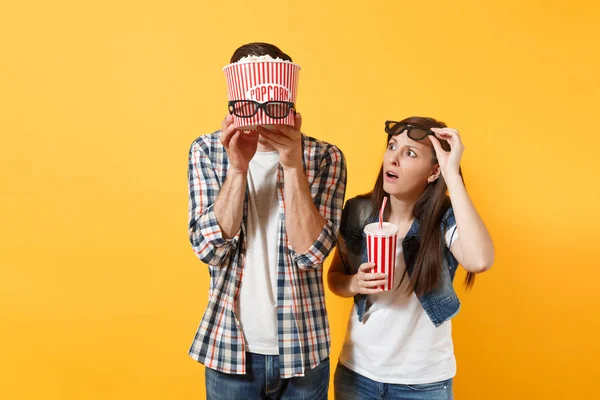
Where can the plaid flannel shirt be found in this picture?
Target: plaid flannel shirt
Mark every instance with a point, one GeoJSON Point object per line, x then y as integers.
{"type": "Point", "coordinates": [303, 328]}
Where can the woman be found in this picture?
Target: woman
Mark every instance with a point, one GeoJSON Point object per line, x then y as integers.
{"type": "Point", "coordinates": [399, 342]}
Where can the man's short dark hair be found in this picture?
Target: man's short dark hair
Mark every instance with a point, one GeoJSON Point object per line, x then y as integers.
{"type": "Point", "coordinates": [259, 49]}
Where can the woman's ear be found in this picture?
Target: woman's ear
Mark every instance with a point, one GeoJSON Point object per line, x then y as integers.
{"type": "Point", "coordinates": [435, 174]}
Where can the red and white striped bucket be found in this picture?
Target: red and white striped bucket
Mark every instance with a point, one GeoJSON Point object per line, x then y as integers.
{"type": "Point", "coordinates": [381, 250]}
{"type": "Point", "coordinates": [262, 81]}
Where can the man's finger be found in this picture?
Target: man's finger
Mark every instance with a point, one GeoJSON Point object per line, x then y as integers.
{"type": "Point", "coordinates": [226, 135]}
{"type": "Point", "coordinates": [271, 136]}
{"type": "Point", "coordinates": [272, 142]}
{"type": "Point", "coordinates": [234, 140]}
{"type": "Point", "coordinates": [228, 120]}
{"type": "Point", "coordinates": [298, 121]}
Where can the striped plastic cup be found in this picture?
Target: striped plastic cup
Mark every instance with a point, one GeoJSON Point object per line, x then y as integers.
{"type": "Point", "coordinates": [262, 81]}
{"type": "Point", "coordinates": [381, 250]}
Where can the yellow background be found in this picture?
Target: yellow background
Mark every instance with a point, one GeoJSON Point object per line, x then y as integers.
{"type": "Point", "coordinates": [100, 293]}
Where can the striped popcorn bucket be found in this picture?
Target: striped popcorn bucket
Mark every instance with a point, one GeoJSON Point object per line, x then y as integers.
{"type": "Point", "coordinates": [263, 82]}
{"type": "Point", "coordinates": [381, 250]}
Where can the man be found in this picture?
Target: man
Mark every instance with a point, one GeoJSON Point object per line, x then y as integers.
{"type": "Point", "coordinates": [265, 332]}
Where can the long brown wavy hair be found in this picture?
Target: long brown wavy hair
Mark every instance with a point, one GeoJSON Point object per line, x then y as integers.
{"type": "Point", "coordinates": [429, 210]}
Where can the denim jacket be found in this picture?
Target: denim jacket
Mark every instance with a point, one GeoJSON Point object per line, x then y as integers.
{"type": "Point", "coordinates": [441, 303]}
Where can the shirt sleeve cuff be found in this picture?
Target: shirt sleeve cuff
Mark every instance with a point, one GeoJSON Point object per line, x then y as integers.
{"type": "Point", "coordinates": [212, 233]}
{"type": "Point", "coordinates": [318, 251]}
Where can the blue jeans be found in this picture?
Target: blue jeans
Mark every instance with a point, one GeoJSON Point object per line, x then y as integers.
{"type": "Point", "coordinates": [262, 381]}
{"type": "Point", "coordinates": [349, 385]}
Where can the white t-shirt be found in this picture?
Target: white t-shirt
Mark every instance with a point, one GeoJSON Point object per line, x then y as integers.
{"type": "Point", "coordinates": [256, 307]}
{"type": "Point", "coordinates": [396, 342]}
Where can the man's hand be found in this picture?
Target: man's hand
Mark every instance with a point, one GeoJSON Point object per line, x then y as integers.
{"type": "Point", "coordinates": [240, 146]}
{"type": "Point", "coordinates": [288, 142]}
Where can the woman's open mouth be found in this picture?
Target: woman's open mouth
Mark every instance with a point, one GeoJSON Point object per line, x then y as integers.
{"type": "Point", "coordinates": [391, 177]}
